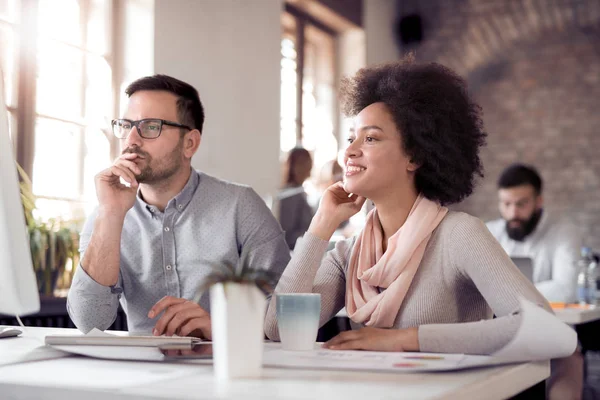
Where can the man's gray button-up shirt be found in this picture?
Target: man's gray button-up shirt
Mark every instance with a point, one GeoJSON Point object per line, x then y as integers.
{"type": "Point", "coordinates": [209, 223]}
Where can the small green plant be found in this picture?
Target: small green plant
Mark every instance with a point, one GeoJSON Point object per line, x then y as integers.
{"type": "Point", "coordinates": [264, 279]}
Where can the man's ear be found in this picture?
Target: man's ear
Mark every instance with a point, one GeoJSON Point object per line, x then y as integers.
{"type": "Point", "coordinates": [191, 142]}
{"type": "Point", "coordinates": [539, 201]}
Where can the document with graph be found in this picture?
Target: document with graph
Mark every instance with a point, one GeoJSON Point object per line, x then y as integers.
{"type": "Point", "coordinates": [531, 343]}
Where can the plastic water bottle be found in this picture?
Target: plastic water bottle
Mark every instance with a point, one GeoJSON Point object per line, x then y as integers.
{"type": "Point", "coordinates": [597, 287]}
{"type": "Point", "coordinates": [592, 281]}
{"type": "Point", "coordinates": [583, 281]}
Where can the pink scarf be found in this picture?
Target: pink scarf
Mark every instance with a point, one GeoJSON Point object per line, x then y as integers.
{"type": "Point", "coordinates": [394, 270]}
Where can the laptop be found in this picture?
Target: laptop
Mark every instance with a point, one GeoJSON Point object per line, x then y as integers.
{"type": "Point", "coordinates": [525, 265]}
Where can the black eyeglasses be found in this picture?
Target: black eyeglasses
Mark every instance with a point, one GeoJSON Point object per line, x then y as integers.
{"type": "Point", "coordinates": [147, 128]}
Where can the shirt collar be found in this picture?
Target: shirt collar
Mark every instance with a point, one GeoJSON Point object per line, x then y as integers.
{"type": "Point", "coordinates": [180, 201]}
{"type": "Point", "coordinates": [184, 197]}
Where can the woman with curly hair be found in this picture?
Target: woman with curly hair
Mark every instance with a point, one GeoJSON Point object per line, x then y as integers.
{"type": "Point", "coordinates": [434, 275]}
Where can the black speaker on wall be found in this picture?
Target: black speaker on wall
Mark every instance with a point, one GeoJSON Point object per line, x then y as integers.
{"type": "Point", "coordinates": [409, 29]}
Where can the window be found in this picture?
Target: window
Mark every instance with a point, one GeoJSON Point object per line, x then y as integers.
{"type": "Point", "coordinates": [314, 54]}
{"type": "Point", "coordinates": [308, 116]}
{"type": "Point", "coordinates": [73, 102]}
{"type": "Point", "coordinates": [9, 28]}
{"type": "Point", "coordinates": [65, 93]}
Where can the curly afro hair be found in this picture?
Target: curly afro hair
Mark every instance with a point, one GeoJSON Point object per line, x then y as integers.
{"type": "Point", "coordinates": [440, 124]}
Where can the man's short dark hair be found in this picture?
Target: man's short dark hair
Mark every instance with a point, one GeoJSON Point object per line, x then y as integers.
{"type": "Point", "coordinates": [520, 174]}
{"type": "Point", "coordinates": [189, 107]}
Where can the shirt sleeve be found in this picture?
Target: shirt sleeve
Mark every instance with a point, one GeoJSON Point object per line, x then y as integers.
{"type": "Point", "coordinates": [260, 240]}
{"type": "Point", "coordinates": [476, 255]}
{"type": "Point", "coordinates": [309, 272]}
{"type": "Point", "coordinates": [90, 304]}
{"type": "Point", "coordinates": [563, 285]}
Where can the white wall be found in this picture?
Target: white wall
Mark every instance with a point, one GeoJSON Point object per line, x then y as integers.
{"type": "Point", "coordinates": [230, 51]}
{"type": "Point", "coordinates": [378, 19]}
{"type": "Point", "coordinates": [352, 57]}
{"type": "Point", "coordinates": [136, 51]}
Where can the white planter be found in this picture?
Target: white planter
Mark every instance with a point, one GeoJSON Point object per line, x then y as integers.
{"type": "Point", "coordinates": [237, 313]}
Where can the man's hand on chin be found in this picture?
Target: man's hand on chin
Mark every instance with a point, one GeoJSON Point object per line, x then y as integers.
{"type": "Point", "coordinates": [180, 317]}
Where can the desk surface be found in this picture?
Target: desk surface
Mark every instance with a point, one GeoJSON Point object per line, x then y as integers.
{"type": "Point", "coordinates": [571, 316]}
{"type": "Point", "coordinates": [76, 377]}
{"type": "Point", "coordinates": [576, 316]}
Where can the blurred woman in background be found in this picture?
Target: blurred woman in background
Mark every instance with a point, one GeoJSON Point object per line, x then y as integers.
{"type": "Point", "coordinates": [294, 212]}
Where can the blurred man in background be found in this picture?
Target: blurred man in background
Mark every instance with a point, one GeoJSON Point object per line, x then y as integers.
{"type": "Point", "coordinates": [527, 230]}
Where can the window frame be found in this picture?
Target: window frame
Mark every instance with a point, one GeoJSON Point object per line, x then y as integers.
{"type": "Point", "coordinates": [301, 21]}
{"type": "Point", "coordinates": [25, 112]}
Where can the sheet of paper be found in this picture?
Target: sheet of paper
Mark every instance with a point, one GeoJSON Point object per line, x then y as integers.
{"type": "Point", "coordinates": [98, 332]}
{"type": "Point", "coordinates": [320, 358]}
{"type": "Point", "coordinates": [37, 353]}
{"type": "Point", "coordinates": [130, 353]}
{"type": "Point", "coordinates": [541, 336]}
{"type": "Point", "coordinates": [29, 346]}
{"type": "Point", "coordinates": [75, 372]}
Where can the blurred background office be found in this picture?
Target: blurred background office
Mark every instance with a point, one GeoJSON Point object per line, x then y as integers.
{"type": "Point", "coordinates": [268, 71]}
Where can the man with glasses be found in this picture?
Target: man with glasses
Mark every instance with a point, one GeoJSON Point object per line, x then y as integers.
{"type": "Point", "coordinates": [160, 226]}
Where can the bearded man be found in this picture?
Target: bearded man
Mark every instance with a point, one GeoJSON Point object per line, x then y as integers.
{"type": "Point", "coordinates": [527, 230]}
{"type": "Point", "coordinates": [161, 226]}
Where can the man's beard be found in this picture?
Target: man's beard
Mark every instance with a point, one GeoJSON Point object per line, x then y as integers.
{"type": "Point", "coordinates": [166, 168]}
{"type": "Point", "coordinates": [525, 228]}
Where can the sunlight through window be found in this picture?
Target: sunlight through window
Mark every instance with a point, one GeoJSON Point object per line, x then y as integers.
{"type": "Point", "coordinates": [74, 104]}
{"type": "Point", "coordinates": [318, 125]}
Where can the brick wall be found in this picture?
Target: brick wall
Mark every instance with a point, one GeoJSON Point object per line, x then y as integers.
{"type": "Point", "coordinates": [534, 67]}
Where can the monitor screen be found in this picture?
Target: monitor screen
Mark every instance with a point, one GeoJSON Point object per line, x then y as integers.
{"type": "Point", "coordinates": [18, 286]}
{"type": "Point", "coordinates": [525, 265]}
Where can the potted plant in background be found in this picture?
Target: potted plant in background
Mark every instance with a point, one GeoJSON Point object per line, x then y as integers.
{"type": "Point", "coordinates": [237, 310]}
{"type": "Point", "coordinates": [54, 244]}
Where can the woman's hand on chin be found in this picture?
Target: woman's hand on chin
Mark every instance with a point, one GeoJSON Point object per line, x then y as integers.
{"type": "Point", "coordinates": [336, 206]}
{"type": "Point", "coordinates": [376, 339]}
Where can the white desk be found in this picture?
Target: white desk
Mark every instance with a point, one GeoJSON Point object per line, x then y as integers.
{"type": "Point", "coordinates": [571, 316]}
{"type": "Point", "coordinates": [85, 378]}
{"type": "Point", "coordinates": [576, 316]}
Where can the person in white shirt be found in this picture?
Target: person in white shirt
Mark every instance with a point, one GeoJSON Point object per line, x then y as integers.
{"type": "Point", "coordinates": [527, 230]}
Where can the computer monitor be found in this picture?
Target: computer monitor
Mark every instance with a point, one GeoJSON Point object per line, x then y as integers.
{"type": "Point", "coordinates": [18, 287]}
{"type": "Point", "coordinates": [525, 265]}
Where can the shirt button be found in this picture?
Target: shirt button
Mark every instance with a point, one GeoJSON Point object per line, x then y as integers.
{"type": "Point", "coordinates": [152, 209]}
{"type": "Point", "coordinates": [168, 267]}
{"type": "Point", "coordinates": [179, 207]}
{"type": "Point", "coordinates": [167, 229]}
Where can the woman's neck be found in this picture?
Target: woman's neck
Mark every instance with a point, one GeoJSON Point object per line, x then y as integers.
{"type": "Point", "coordinates": [393, 211]}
